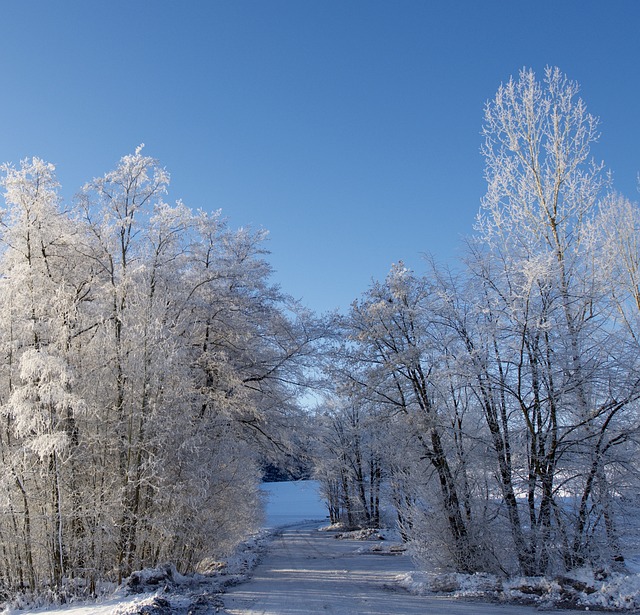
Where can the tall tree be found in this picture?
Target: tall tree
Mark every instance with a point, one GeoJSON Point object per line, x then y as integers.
{"type": "Point", "coordinates": [567, 381]}
{"type": "Point", "coordinates": [45, 285]}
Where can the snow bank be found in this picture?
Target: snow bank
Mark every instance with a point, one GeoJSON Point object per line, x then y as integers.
{"type": "Point", "coordinates": [164, 591]}
{"type": "Point", "coordinates": [618, 592]}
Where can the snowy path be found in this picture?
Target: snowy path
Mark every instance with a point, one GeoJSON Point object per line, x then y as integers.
{"type": "Point", "coordinates": [306, 571]}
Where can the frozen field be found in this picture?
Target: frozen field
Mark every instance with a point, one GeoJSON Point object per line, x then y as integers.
{"type": "Point", "coordinates": [292, 502]}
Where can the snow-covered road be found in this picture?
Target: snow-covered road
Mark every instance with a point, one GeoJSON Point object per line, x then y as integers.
{"type": "Point", "coordinates": [306, 571]}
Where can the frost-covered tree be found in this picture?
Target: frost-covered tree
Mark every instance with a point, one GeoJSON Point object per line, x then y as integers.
{"type": "Point", "coordinates": [150, 366]}
{"type": "Point", "coordinates": [44, 286]}
{"type": "Point", "coordinates": [614, 242]}
{"type": "Point", "coordinates": [516, 378]}
{"type": "Point", "coordinates": [348, 462]}
{"type": "Point", "coordinates": [117, 211]}
{"type": "Point", "coordinates": [399, 366]}
{"type": "Point", "coordinates": [567, 369]}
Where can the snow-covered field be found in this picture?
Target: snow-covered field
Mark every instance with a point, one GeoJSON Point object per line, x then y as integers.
{"type": "Point", "coordinates": [291, 503]}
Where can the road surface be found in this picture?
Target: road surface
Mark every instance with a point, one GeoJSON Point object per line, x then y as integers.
{"type": "Point", "coordinates": [306, 571]}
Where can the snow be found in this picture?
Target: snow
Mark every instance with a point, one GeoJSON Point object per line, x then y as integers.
{"type": "Point", "coordinates": [306, 571]}
{"type": "Point", "coordinates": [618, 592]}
{"type": "Point", "coordinates": [293, 502]}
{"type": "Point", "coordinates": [119, 605]}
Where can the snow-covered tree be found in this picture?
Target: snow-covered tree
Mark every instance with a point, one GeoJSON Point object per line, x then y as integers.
{"type": "Point", "coordinates": [399, 366]}
{"type": "Point", "coordinates": [348, 461]}
{"type": "Point", "coordinates": [516, 377]}
{"type": "Point", "coordinates": [45, 285]}
{"type": "Point", "coordinates": [566, 369]}
{"type": "Point", "coordinates": [150, 367]}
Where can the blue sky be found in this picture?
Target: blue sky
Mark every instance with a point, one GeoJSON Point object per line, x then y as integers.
{"type": "Point", "coordinates": [349, 129]}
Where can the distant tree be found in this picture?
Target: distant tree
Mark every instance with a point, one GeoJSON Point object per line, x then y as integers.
{"type": "Point", "coordinates": [349, 463]}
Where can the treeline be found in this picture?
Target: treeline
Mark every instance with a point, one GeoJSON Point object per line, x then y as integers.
{"type": "Point", "coordinates": [148, 364]}
{"type": "Point", "coordinates": [496, 402]}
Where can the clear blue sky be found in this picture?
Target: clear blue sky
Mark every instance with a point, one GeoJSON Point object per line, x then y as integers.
{"type": "Point", "coordinates": [349, 129]}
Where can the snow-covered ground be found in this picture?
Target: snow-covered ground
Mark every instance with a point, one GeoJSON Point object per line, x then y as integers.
{"type": "Point", "coordinates": [304, 569]}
